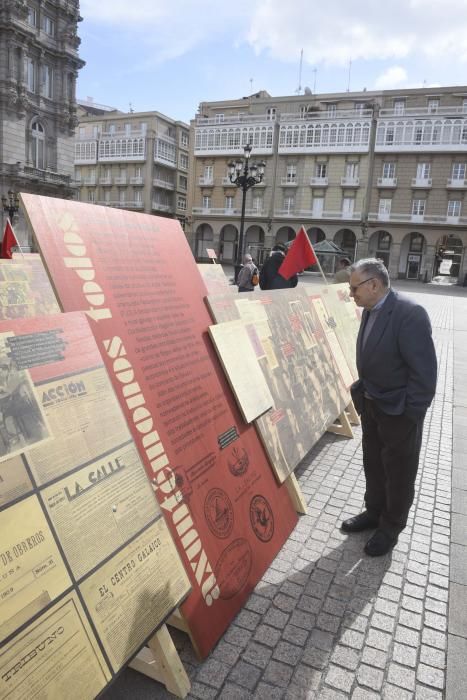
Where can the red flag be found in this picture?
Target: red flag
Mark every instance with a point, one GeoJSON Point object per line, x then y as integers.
{"type": "Point", "coordinates": [300, 255]}
{"type": "Point", "coordinates": [8, 241]}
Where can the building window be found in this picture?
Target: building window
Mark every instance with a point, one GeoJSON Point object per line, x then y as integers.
{"type": "Point", "coordinates": [106, 196]}
{"type": "Point", "coordinates": [218, 118]}
{"type": "Point", "coordinates": [138, 195]}
{"type": "Point", "coordinates": [257, 204]}
{"type": "Point", "coordinates": [38, 145]}
{"type": "Point", "coordinates": [418, 207]}
{"type": "Point", "coordinates": [351, 171]}
{"type": "Point", "coordinates": [416, 243]}
{"type": "Point", "coordinates": [389, 134]}
{"type": "Point", "coordinates": [433, 105]}
{"type": "Point", "coordinates": [423, 171]}
{"type": "Point", "coordinates": [32, 17]}
{"type": "Point", "coordinates": [46, 81]}
{"type": "Point", "coordinates": [229, 202]}
{"type": "Point", "coordinates": [91, 196]}
{"type": "Point", "coordinates": [318, 206]}
{"type": "Point", "coordinates": [291, 175]}
{"type": "Point", "coordinates": [30, 73]}
{"type": "Point", "coordinates": [183, 161]}
{"type": "Point", "coordinates": [359, 107]}
{"type": "Point", "coordinates": [208, 173]}
{"type": "Point", "coordinates": [289, 203]}
{"type": "Point", "coordinates": [206, 202]}
{"type": "Point", "coordinates": [384, 208]}
{"type": "Point", "coordinates": [48, 25]}
{"type": "Point", "coordinates": [389, 170]}
{"type": "Point", "coordinates": [122, 196]}
{"type": "Point", "coordinates": [271, 113]}
{"type": "Point", "coordinates": [348, 204]}
{"type": "Point", "coordinates": [399, 106]}
{"type": "Point", "coordinates": [458, 171]}
{"type": "Point", "coordinates": [183, 182]}
{"type": "Point", "coordinates": [184, 139]}
{"type": "Point", "coordinates": [384, 240]}
{"type": "Point", "coordinates": [321, 170]}
{"type": "Point", "coordinates": [332, 109]}
{"type": "Point", "coordinates": [454, 207]}
{"type": "Point", "coordinates": [181, 202]}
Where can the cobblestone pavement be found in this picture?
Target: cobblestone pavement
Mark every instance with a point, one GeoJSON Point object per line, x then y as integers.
{"type": "Point", "coordinates": [330, 623]}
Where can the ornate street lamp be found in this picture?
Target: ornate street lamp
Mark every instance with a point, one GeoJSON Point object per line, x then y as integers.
{"type": "Point", "coordinates": [244, 176]}
{"type": "Point", "coordinates": [10, 204]}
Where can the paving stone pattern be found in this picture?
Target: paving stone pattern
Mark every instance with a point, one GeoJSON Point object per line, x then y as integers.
{"type": "Point", "coordinates": [326, 621]}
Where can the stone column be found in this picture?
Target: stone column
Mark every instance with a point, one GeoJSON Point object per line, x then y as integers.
{"type": "Point", "coordinates": [394, 260]}
{"type": "Point", "coordinates": [428, 264]}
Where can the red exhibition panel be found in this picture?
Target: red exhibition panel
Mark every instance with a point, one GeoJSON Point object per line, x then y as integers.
{"type": "Point", "coordinates": [136, 278]}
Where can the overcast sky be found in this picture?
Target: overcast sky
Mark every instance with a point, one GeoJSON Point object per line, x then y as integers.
{"type": "Point", "coordinates": [170, 55]}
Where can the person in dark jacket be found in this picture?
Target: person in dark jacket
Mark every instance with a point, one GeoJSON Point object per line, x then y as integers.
{"type": "Point", "coordinates": [269, 277]}
{"type": "Point", "coordinates": [397, 371]}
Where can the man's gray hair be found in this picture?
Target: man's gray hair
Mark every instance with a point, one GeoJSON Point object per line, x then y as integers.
{"type": "Point", "coordinates": [373, 267]}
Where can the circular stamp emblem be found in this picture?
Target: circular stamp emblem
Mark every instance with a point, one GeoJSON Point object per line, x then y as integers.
{"type": "Point", "coordinates": [261, 518]}
{"type": "Point", "coordinates": [233, 568]}
{"type": "Point", "coordinates": [218, 512]}
{"type": "Point", "coordinates": [238, 462]}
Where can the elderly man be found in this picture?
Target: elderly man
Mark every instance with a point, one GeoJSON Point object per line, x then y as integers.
{"type": "Point", "coordinates": [397, 371]}
{"type": "Point", "coordinates": [245, 275]}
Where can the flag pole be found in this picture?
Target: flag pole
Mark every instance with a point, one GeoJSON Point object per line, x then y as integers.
{"type": "Point", "coordinates": [17, 243]}
{"type": "Point", "coordinates": [321, 270]}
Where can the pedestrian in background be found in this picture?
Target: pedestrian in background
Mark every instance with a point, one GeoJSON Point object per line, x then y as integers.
{"type": "Point", "coordinates": [247, 274]}
{"type": "Point", "coordinates": [269, 277]}
{"type": "Point", "coordinates": [397, 371]}
{"type": "Point", "coordinates": [342, 273]}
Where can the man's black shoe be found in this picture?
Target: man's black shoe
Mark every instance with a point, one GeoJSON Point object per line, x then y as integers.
{"type": "Point", "coordinates": [359, 523]}
{"type": "Point", "coordinates": [381, 542]}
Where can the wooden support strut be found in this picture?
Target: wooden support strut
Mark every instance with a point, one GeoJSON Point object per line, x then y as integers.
{"type": "Point", "coordinates": [160, 661]}
{"type": "Point", "coordinates": [343, 424]}
{"type": "Point", "coordinates": [296, 495]}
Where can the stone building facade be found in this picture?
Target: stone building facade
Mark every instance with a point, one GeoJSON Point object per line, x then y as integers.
{"type": "Point", "coordinates": [39, 65]}
{"type": "Point", "coordinates": [137, 161]}
{"type": "Point", "coordinates": [379, 173]}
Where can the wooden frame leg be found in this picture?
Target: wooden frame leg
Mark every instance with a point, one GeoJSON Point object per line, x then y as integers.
{"type": "Point", "coordinates": [354, 418]}
{"type": "Point", "coordinates": [296, 494]}
{"type": "Point", "coordinates": [160, 661]}
{"type": "Point", "coordinates": [341, 426]}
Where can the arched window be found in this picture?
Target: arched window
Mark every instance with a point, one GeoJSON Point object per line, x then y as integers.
{"type": "Point", "coordinates": [37, 145]}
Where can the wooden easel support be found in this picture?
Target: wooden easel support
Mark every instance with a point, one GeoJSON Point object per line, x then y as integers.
{"type": "Point", "coordinates": [296, 494]}
{"type": "Point", "coordinates": [160, 661]}
{"type": "Point", "coordinates": [343, 424]}
{"type": "Point", "coordinates": [178, 621]}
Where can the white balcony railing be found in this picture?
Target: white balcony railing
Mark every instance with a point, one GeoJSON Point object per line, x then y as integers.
{"type": "Point", "coordinates": [89, 180]}
{"type": "Point", "coordinates": [340, 215]}
{"type": "Point", "coordinates": [121, 180]}
{"type": "Point", "coordinates": [231, 119]}
{"type": "Point", "coordinates": [319, 181]}
{"type": "Point", "coordinates": [350, 181]}
{"type": "Point", "coordinates": [419, 218]}
{"type": "Point", "coordinates": [215, 211]}
{"type": "Point", "coordinates": [423, 111]}
{"type": "Point", "coordinates": [162, 207]}
{"type": "Point", "coordinates": [326, 114]}
{"type": "Point", "coordinates": [164, 184]}
{"type": "Point", "coordinates": [421, 182]}
{"type": "Point", "coordinates": [122, 204]}
{"type": "Point", "coordinates": [206, 181]}
{"type": "Point", "coordinates": [105, 181]}
{"type": "Point", "coordinates": [457, 183]}
{"type": "Point", "coordinates": [387, 182]}
{"type": "Point", "coordinates": [136, 180]}
{"type": "Point", "coordinates": [288, 182]}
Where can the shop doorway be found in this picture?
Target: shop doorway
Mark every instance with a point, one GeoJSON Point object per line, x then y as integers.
{"type": "Point", "coordinates": [413, 266]}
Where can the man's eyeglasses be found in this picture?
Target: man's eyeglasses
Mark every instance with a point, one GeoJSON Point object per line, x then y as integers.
{"type": "Point", "coordinates": [354, 289]}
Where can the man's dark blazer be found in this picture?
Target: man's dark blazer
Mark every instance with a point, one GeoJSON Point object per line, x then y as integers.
{"type": "Point", "coordinates": [397, 367]}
